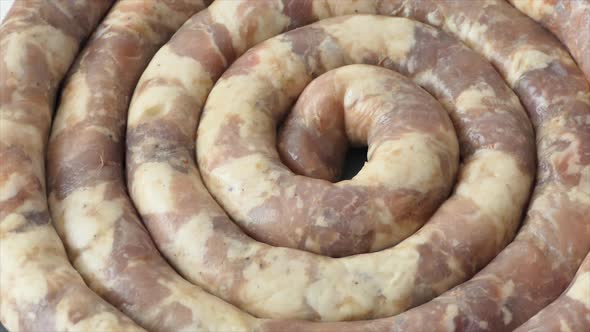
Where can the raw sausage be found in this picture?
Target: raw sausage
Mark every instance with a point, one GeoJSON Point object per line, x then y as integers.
{"type": "Point", "coordinates": [243, 63]}
{"type": "Point", "coordinates": [166, 187]}
{"type": "Point", "coordinates": [40, 289]}
{"type": "Point", "coordinates": [89, 204]}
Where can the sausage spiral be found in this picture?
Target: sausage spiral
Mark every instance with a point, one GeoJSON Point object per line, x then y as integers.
{"type": "Point", "coordinates": [193, 166]}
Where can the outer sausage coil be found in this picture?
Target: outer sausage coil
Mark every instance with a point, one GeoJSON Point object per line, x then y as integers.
{"type": "Point", "coordinates": [253, 231]}
{"type": "Point", "coordinates": [568, 20]}
{"type": "Point", "coordinates": [570, 311]}
{"type": "Point", "coordinates": [40, 289]}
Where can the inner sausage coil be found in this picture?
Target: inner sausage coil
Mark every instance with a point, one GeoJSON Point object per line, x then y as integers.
{"type": "Point", "coordinates": [175, 165]}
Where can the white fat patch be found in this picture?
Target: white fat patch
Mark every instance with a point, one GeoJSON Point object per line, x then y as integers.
{"type": "Point", "coordinates": [276, 288]}
{"type": "Point", "coordinates": [496, 184]}
{"type": "Point", "coordinates": [151, 188]}
{"type": "Point", "coordinates": [158, 100]}
{"type": "Point", "coordinates": [195, 82]}
{"type": "Point", "coordinates": [526, 60]}
{"type": "Point", "coordinates": [321, 9]}
{"type": "Point", "coordinates": [419, 238]}
{"type": "Point", "coordinates": [449, 318]}
{"type": "Point", "coordinates": [454, 265]}
{"type": "Point", "coordinates": [189, 246]}
{"type": "Point", "coordinates": [580, 289]}
{"type": "Point", "coordinates": [12, 186]}
{"type": "Point", "coordinates": [383, 213]}
{"type": "Point", "coordinates": [483, 324]}
{"type": "Point", "coordinates": [410, 162]}
{"type": "Point", "coordinates": [394, 282]}
{"type": "Point", "coordinates": [250, 180]}
{"type": "Point", "coordinates": [54, 43]}
{"type": "Point", "coordinates": [564, 326]}
{"type": "Point", "coordinates": [327, 9]}
{"type": "Point", "coordinates": [86, 221]}
{"type": "Point", "coordinates": [507, 289]}
{"type": "Point", "coordinates": [11, 222]}
{"type": "Point", "coordinates": [278, 65]}
{"type": "Point", "coordinates": [31, 285]}
{"type": "Point", "coordinates": [312, 245]}
{"type": "Point", "coordinates": [506, 315]}
{"type": "Point", "coordinates": [26, 258]}
{"type": "Point", "coordinates": [434, 18]}
{"type": "Point", "coordinates": [26, 136]}
{"type": "Point", "coordinates": [336, 301]}
{"type": "Point", "coordinates": [226, 12]}
{"type": "Point", "coordinates": [384, 217]}
{"type": "Point", "coordinates": [392, 37]}
{"type": "Point", "coordinates": [85, 216]}
{"type": "Point", "coordinates": [584, 97]}
{"type": "Point", "coordinates": [470, 32]}
{"type": "Point", "coordinates": [536, 9]}
{"type": "Point", "coordinates": [321, 221]}
{"type": "Point", "coordinates": [155, 102]}
{"type": "Point", "coordinates": [135, 22]}
{"type": "Point", "coordinates": [473, 97]}
{"type": "Point", "coordinates": [290, 191]}
{"type": "Point", "coordinates": [299, 203]}
{"type": "Point", "coordinates": [10, 317]}
{"type": "Point", "coordinates": [74, 104]}
{"type": "Point", "coordinates": [14, 53]}
{"type": "Point", "coordinates": [584, 186]}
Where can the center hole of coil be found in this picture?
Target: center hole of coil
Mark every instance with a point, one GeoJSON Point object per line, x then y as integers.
{"type": "Point", "coordinates": [353, 162]}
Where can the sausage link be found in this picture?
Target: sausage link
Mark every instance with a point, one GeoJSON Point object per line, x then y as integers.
{"type": "Point", "coordinates": [40, 289]}
{"type": "Point", "coordinates": [256, 79]}
{"type": "Point", "coordinates": [165, 184]}
{"type": "Point", "coordinates": [91, 209]}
